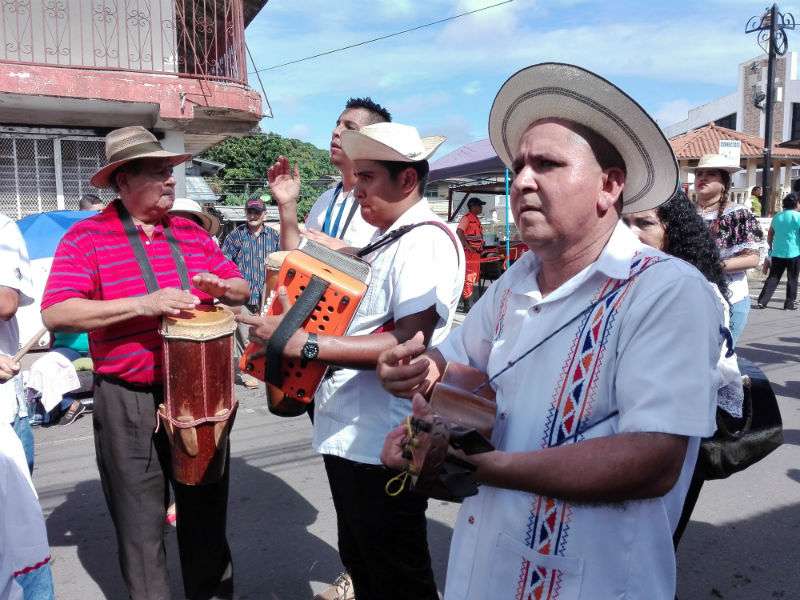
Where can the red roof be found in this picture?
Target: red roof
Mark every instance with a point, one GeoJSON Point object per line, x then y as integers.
{"type": "Point", "coordinates": [705, 140]}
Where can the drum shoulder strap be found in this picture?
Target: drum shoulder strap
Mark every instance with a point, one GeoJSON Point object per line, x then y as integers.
{"type": "Point", "coordinates": [395, 235]}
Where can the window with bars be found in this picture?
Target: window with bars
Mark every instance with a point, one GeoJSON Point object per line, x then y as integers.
{"type": "Point", "coordinates": [40, 172]}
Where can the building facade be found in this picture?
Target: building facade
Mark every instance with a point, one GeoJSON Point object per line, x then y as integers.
{"type": "Point", "coordinates": [72, 70]}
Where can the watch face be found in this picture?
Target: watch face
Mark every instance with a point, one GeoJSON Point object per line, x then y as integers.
{"type": "Point", "coordinates": [310, 350]}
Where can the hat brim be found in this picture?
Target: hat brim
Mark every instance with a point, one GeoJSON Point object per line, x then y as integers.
{"type": "Point", "coordinates": [102, 179]}
{"type": "Point", "coordinates": [728, 169]}
{"type": "Point", "coordinates": [210, 222]}
{"type": "Point", "coordinates": [358, 146]}
{"type": "Point", "coordinates": [562, 91]}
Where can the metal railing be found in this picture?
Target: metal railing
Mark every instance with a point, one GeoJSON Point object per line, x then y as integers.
{"type": "Point", "coordinates": [193, 38]}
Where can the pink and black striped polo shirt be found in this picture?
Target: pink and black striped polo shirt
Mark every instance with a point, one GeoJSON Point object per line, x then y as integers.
{"type": "Point", "coordinates": [95, 261]}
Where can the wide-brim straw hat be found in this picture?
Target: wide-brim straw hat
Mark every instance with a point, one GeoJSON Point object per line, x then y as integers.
{"type": "Point", "coordinates": [392, 142]}
{"type": "Point", "coordinates": [131, 143]}
{"type": "Point", "coordinates": [562, 91]}
{"type": "Point", "coordinates": [716, 162]}
{"type": "Point", "coordinates": [186, 207]}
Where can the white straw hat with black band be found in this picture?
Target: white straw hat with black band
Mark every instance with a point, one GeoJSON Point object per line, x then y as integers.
{"type": "Point", "coordinates": [562, 91]}
{"type": "Point", "coordinates": [716, 162]}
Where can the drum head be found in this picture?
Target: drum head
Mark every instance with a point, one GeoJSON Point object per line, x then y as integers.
{"type": "Point", "coordinates": [202, 323]}
{"type": "Point", "coordinates": [275, 259]}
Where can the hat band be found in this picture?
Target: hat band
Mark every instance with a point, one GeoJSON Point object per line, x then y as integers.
{"type": "Point", "coordinates": [135, 151]}
{"type": "Point", "coordinates": [597, 107]}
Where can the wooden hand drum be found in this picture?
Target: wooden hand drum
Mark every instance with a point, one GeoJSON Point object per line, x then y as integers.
{"type": "Point", "coordinates": [464, 411]}
{"type": "Point", "coordinates": [199, 404]}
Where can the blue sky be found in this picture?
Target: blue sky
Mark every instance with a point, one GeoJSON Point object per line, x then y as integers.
{"type": "Point", "coordinates": [668, 55]}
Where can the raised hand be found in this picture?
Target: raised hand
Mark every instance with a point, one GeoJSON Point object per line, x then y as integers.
{"type": "Point", "coordinates": [211, 284]}
{"type": "Point", "coordinates": [167, 301]}
{"type": "Point", "coordinates": [284, 183]}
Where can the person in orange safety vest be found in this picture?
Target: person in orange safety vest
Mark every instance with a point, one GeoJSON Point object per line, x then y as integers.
{"type": "Point", "coordinates": [470, 232]}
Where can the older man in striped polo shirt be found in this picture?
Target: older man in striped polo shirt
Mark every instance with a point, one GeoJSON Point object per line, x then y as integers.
{"type": "Point", "coordinates": [97, 285]}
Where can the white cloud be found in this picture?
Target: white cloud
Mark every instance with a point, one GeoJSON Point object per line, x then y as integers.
{"type": "Point", "coordinates": [671, 112]}
{"type": "Point", "coordinates": [472, 88]}
{"type": "Point", "coordinates": [300, 131]}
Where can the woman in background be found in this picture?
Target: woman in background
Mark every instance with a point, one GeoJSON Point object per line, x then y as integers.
{"type": "Point", "coordinates": [736, 231]}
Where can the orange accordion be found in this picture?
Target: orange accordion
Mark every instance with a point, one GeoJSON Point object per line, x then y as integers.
{"type": "Point", "coordinates": [325, 288]}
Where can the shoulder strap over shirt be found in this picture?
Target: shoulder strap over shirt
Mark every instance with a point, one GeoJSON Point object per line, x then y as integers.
{"type": "Point", "coordinates": [132, 233]}
{"type": "Point", "coordinates": [393, 236]}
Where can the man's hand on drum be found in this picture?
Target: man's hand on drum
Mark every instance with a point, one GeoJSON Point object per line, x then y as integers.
{"type": "Point", "coordinates": [167, 301]}
{"type": "Point", "coordinates": [8, 368]}
{"type": "Point", "coordinates": [284, 183]}
{"type": "Point", "coordinates": [211, 284]}
{"type": "Point", "coordinates": [262, 328]}
{"type": "Point", "coordinates": [392, 453]}
{"type": "Point", "coordinates": [406, 369]}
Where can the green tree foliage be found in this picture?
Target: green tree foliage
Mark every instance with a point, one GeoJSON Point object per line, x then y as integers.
{"type": "Point", "coordinates": [247, 159]}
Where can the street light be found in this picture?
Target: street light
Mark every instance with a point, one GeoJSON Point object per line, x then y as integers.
{"type": "Point", "coordinates": [771, 28]}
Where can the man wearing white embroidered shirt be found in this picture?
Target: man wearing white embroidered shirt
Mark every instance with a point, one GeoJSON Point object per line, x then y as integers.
{"type": "Point", "coordinates": [16, 289]}
{"type": "Point", "coordinates": [416, 282]}
{"type": "Point", "coordinates": [334, 219]}
{"type": "Point", "coordinates": [633, 379]}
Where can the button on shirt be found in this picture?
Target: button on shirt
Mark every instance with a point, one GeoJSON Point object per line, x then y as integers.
{"type": "Point", "coordinates": [15, 273]}
{"type": "Point", "coordinates": [423, 268]}
{"type": "Point", "coordinates": [249, 252]}
{"type": "Point", "coordinates": [649, 351]}
{"type": "Point", "coordinates": [358, 232]}
{"type": "Point", "coordinates": [94, 260]}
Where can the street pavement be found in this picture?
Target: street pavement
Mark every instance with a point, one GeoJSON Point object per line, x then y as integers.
{"type": "Point", "coordinates": [742, 543]}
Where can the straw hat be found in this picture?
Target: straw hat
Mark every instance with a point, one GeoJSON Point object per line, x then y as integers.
{"type": "Point", "coordinates": [556, 90]}
{"type": "Point", "coordinates": [185, 207]}
{"type": "Point", "coordinates": [389, 141]}
{"type": "Point", "coordinates": [717, 162]}
{"type": "Point", "coordinates": [127, 144]}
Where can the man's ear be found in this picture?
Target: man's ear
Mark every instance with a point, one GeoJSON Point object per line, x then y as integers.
{"type": "Point", "coordinates": [408, 181]}
{"type": "Point", "coordinates": [612, 186]}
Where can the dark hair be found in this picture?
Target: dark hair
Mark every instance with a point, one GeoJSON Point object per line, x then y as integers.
{"type": "Point", "coordinates": [796, 185]}
{"type": "Point", "coordinates": [689, 239]}
{"type": "Point", "coordinates": [790, 201]}
{"type": "Point", "coordinates": [87, 201]}
{"type": "Point", "coordinates": [421, 168]}
{"type": "Point", "coordinates": [379, 113]}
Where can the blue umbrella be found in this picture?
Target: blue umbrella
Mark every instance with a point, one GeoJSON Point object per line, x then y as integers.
{"type": "Point", "coordinates": [43, 231]}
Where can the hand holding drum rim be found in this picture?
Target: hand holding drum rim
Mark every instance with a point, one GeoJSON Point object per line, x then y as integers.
{"type": "Point", "coordinates": [167, 301]}
{"type": "Point", "coordinates": [263, 327]}
{"type": "Point", "coordinates": [405, 370]}
{"type": "Point", "coordinates": [396, 439]}
{"type": "Point", "coordinates": [211, 284]}
{"type": "Point", "coordinates": [284, 183]}
{"type": "Point", "coordinates": [8, 368]}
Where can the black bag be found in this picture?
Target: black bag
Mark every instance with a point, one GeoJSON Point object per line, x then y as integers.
{"type": "Point", "coordinates": [739, 443]}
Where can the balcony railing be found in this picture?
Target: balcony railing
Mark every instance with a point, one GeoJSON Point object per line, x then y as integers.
{"type": "Point", "coordinates": [192, 38]}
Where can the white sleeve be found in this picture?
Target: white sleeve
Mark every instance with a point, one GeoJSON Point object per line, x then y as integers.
{"type": "Point", "coordinates": [471, 343]}
{"type": "Point", "coordinates": [668, 350]}
{"type": "Point", "coordinates": [315, 218]}
{"type": "Point", "coordinates": [15, 267]}
{"type": "Point", "coordinates": [425, 273]}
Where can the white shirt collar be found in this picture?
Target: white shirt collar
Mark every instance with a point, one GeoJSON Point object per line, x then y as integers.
{"type": "Point", "coordinates": [420, 211]}
{"type": "Point", "coordinates": [614, 261]}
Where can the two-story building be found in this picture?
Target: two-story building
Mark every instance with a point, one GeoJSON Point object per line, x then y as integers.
{"type": "Point", "coordinates": [71, 70]}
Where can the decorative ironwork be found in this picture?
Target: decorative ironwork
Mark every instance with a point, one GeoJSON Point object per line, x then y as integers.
{"type": "Point", "coordinates": [763, 26]}
{"type": "Point", "coordinates": [193, 38]}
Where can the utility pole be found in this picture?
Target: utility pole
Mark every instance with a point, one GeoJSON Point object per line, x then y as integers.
{"type": "Point", "coordinates": [771, 28]}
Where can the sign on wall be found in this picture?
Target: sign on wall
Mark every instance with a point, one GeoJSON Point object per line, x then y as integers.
{"type": "Point", "coordinates": [731, 149]}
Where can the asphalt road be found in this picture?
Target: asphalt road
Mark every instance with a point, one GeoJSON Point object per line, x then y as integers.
{"type": "Point", "coordinates": [743, 542]}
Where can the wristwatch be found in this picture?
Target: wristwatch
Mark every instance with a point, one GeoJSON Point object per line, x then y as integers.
{"type": "Point", "coordinates": [310, 349]}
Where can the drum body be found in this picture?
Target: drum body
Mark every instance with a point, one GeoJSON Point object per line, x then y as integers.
{"type": "Point", "coordinates": [199, 404]}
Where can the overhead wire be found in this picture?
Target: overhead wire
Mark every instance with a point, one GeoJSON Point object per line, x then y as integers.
{"type": "Point", "coordinates": [379, 38]}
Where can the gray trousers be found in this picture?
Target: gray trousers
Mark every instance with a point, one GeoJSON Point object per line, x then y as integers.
{"type": "Point", "coordinates": [135, 466]}
{"type": "Point", "coordinates": [242, 335]}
